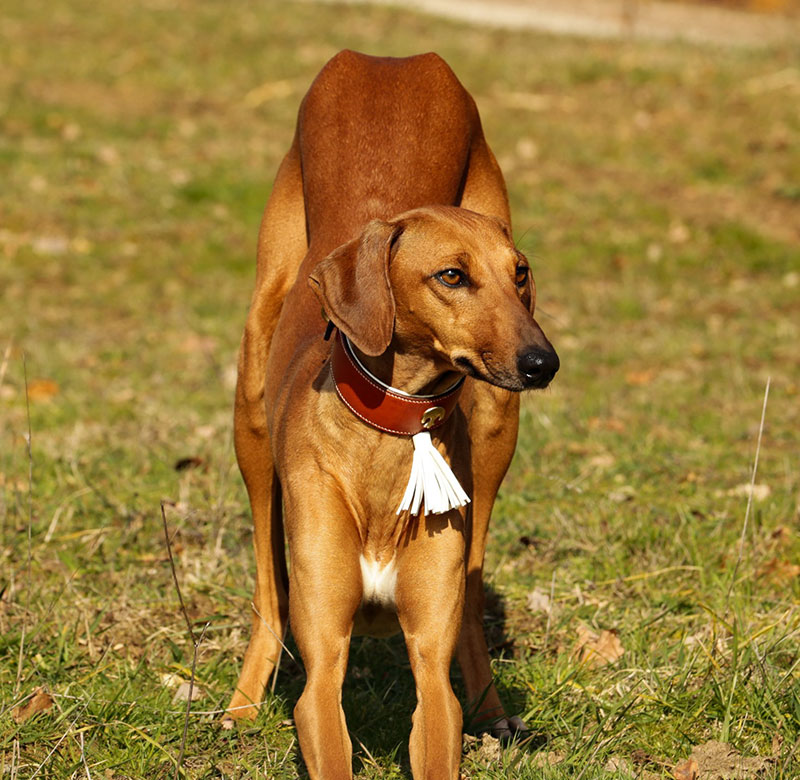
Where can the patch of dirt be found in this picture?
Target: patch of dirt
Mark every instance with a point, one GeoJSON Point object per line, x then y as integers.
{"type": "Point", "coordinates": [652, 19]}
{"type": "Point", "coordinates": [719, 761]}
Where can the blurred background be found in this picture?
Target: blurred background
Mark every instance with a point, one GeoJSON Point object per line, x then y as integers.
{"type": "Point", "coordinates": [652, 158]}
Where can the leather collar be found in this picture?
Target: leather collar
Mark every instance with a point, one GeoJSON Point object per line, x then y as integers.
{"type": "Point", "coordinates": [383, 407]}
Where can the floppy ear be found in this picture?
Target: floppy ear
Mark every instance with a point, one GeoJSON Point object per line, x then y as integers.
{"type": "Point", "coordinates": [352, 284]}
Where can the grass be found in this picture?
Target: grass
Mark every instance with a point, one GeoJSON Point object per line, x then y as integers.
{"type": "Point", "coordinates": [654, 187]}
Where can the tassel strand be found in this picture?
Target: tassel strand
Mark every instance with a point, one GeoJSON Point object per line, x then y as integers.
{"type": "Point", "coordinates": [432, 483]}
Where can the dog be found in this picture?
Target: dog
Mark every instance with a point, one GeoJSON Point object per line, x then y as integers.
{"type": "Point", "coordinates": [385, 260]}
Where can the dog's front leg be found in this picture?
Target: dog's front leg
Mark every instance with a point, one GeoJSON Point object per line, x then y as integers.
{"type": "Point", "coordinates": [324, 593]}
{"type": "Point", "coordinates": [430, 601]}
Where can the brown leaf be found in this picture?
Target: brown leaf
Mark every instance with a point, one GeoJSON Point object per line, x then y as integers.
{"type": "Point", "coordinates": [779, 572]}
{"type": "Point", "coordinates": [41, 701]}
{"type": "Point", "coordinates": [194, 343]}
{"type": "Point", "coordinates": [640, 756]}
{"type": "Point", "coordinates": [42, 389]}
{"type": "Point", "coordinates": [596, 650]}
{"type": "Point", "coordinates": [640, 378]}
{"type": "Point", "coordinates": [192, 462]}
{"type": "Point", "coordinates": [686, 771]}
{"type": "Point", "coordinates": [606, 424]}
{"type": "Point", "coordinates": [781, 536]}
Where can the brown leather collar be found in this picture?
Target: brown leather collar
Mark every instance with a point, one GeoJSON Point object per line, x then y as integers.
{"type": "Point", "coordinates": [383, 407]}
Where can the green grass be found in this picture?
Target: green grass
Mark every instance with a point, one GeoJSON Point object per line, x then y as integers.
{"type": "Point", "coordinates": [656, 193]}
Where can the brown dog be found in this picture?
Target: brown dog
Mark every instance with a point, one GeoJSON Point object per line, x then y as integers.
{"type": "Point", "coordinates": [390, 211]}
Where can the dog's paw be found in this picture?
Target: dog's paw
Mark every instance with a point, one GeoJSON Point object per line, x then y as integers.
{"type": "Point", "coordinates": [511, 729]}
{"type": "Point", "coordinates": [227, 723]}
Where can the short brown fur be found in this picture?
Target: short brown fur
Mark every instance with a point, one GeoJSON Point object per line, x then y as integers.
{"type": "Point", "coordinates": [388, 182]}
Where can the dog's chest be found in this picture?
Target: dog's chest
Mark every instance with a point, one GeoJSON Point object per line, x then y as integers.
{"type": "Point", "coordinates": [377, 615]}
{"type": "Point", "coordinates": [379, 582]}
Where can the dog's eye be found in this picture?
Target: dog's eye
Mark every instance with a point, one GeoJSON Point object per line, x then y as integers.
{"type": "Point", "coordinates": [452, 277]}
{"type": "Point", "coordinates": [521, 275]}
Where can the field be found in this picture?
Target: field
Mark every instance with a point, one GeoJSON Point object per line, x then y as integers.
{"type": "Point", "coordinates": [644, 578]}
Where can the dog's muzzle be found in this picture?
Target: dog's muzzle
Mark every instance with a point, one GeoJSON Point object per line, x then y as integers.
{"type": "Point", "coordinates": [537, 367]}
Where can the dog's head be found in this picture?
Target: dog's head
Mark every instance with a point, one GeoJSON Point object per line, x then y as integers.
{"type": "Point", "coordinates": [443, 282]}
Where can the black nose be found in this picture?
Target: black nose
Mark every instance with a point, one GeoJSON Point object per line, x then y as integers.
{"type": "Point", "coordinates": [538, 366]}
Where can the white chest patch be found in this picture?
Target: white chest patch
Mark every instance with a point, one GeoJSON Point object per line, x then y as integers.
{"type": "Point", "coordinates": [378, 582]}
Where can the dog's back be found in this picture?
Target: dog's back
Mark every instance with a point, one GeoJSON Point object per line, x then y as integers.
{"type": "Point", "coordinates": [400, 131]}
{"type": "Point", "coordinates": [376, 136]}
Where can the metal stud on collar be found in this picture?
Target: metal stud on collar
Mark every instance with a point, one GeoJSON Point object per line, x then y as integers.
{"type": "Point", "coordinates": [432, 416]}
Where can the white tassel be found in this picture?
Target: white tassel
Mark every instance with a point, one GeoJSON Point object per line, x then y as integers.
{"type": "Point", "coordinates": [432, 481]}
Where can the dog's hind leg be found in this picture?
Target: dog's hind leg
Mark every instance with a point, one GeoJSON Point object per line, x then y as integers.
{"type": "Point", "coordinates": [282, 246]}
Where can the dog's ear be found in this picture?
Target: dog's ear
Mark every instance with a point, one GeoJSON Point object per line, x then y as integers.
{"type": "Point", "coordinates": [352, 284]}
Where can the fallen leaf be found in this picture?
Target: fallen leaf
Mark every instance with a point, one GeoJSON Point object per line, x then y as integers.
{"type": "Point", "coordinates": [606, 424]}
{"type": "Point", "coordinates": [539, 601]}
{"type": "Point", "coordinates": [270, 90]}
{"type": "Point", "coordinates": [640, 756]}
{"type": "Point", "coordinates": [41, 701]}
{"type": "Point", "coordinates": [182, 693]}
{"type": "Point", "coordinates": [781, 536]}
{"type": "Point", "coordinates": [686, 771]}
{"type": "Point", "coordinates": [622, 494]}
{"type": "Point", "coordinates": [596, 650]}
{"type": "Point", "coordinates": [619, 766]}
{"type": "Point", "coordinates": [195, 343]}
{"type": "Point", "coordinates": [640, 378]}
{"type": "Point", "coordinates": [572, 447]}
{"type": "Point", "coordinates": [170, 679]}
{"type": "Point", "coordinates": [192, 462]}
{"type": "Point", "coordinates": [779, 572]}
{"type": "Point", "coordinates": [42, 389]}
{"type": "Point", "coordinates": [603, 461]}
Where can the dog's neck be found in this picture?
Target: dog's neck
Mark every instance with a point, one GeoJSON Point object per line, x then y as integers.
{"type": "Point", "coordinates": [410, 372]}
